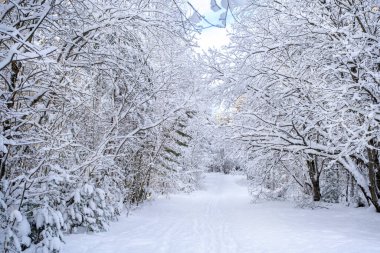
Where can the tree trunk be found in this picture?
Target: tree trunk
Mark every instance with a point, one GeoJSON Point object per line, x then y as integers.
{"type": "Point", "coordinates": [314, 177]}
{"type": "Point", "coordinates": [15, 70]}
{"type": "Point", "coordinates": [347, 187]}
{"type": "Point", "coordinates": [3, 159]}
{"type": "Point", "coordinates": [373, 167]}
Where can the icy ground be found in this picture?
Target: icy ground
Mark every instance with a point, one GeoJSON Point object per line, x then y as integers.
{"type": "Point", "coordinates": [221, 219]}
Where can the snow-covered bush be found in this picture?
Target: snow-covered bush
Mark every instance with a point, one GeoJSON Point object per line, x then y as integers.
{"type": "Point", "coordinates": [16, 233]}
{"type": "Point", "coordinates": [47, 231]}
{"type": "Point", "coordinates": [87, 208]}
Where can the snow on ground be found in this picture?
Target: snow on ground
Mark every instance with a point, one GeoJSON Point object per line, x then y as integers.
{"type": "Point", "coordinates": [221, 219]}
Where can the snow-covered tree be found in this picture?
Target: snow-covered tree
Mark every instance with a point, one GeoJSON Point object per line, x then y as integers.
{"type": "Point", "coordinates": [87, 89]}
{"type": "Point", "coordinates": [305, 75]}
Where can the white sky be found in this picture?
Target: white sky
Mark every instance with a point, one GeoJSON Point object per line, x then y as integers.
{"type": "Point", "coordinates": [213, 37]}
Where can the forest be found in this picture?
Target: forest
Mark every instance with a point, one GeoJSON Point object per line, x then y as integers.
{"type": "Point", "coordinates": [108, 104]}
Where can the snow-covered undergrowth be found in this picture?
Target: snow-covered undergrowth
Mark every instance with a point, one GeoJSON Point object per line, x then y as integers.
{"type": "Point", "coordinates": [221, 219]}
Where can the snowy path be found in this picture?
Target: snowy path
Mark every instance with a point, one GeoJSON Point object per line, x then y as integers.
{"type": "Point", "coordinates": [220, 219]}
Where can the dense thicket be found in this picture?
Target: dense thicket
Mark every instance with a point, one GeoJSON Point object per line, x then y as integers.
{"type": "Point", "coordinates": [304, 78]}
{"type": "Point", "coordinates": [94, 114]}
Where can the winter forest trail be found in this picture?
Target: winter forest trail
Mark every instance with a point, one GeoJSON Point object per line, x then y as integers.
{"type": "Point", "coordinates": [221, 219]}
